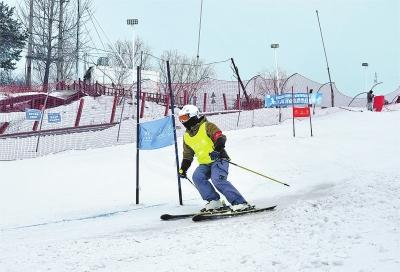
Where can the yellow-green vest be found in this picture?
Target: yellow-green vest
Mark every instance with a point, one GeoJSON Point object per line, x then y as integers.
{"type": "Point", "coordinates": [201, 144]}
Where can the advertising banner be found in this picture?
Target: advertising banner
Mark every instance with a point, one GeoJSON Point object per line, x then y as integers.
{"type": "Point", "coordinates": [284, 100]}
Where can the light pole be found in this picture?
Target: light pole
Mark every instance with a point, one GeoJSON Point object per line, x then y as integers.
{"type": "Point", "coordinates": [133, 22]}
{"type": "Point", "coordinates": [365, 64]}
{"type": "Point", "coordinates": [275, 46]}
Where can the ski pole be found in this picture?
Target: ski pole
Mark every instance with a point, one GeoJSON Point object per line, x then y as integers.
{"type": "Point", "coordinates": [191, 182]}
{"type": "Point", "coordinates": [252, 171]}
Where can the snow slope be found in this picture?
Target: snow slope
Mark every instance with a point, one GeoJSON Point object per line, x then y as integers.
{"type": "Point", "coordinates": [341, 212]}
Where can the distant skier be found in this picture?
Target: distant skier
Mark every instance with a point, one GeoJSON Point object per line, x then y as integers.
{"type": "Point", "coordinates": [370, 99]}
{"type": "Point", "coordinates": [205, 140]}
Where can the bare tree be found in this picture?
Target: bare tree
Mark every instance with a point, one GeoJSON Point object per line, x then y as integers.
{"type": "Point", "coordinates": [267, 83]}
{"type": "Point", "coordinates": [122, 62]}
{"type": "Point", "coordinates": [187, 74]}
{"type": "Point", "coordinates": [53, 37]}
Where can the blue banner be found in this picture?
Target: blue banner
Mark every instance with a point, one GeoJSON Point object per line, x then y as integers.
{"type": "Point", "coordinates": [156, 134]}
{"type": "Point", "coordinates": [286, 99]}
{"type": "Point", "coordinates": [54, 117]}
{"type": "Point", "coordinates": [33, 115]}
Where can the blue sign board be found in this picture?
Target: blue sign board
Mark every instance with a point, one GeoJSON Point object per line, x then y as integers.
{"type": "Point", "coordinates": [283, 100]}
{"type": "Point", "coordinates": [156, 134]}
{"type": "Point", "coordinates": [33, 114]}
{"type": "Point", "coordinates": [54, 117]}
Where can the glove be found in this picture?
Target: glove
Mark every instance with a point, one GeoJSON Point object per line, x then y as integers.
{"type": "Point", "coordinates": [184, 167]}
{"type": "Point", "coordinates": [182, 174]}
{"type": "Point", "coordinates": [215, 155]}
{"type": "Point", "coordinates": [219, 144]}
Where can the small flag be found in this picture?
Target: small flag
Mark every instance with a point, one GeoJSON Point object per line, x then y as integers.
{"type": "Point", "coordinates": [156, 134]}
{"type": "Point", "coordinates": [301, 112]}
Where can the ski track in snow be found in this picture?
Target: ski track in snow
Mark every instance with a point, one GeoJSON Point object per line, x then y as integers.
{"type": "Point", "coordinates": [349, 221]}
{"type": "Point", "coordinates": [311, 232]}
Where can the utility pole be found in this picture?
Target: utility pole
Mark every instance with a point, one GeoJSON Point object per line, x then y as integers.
{"type": "Point", "coordinates": [326, 60]}
{"type": "Point", "coordinates": [60, 60]}
{"type": "Point", "coordinates": [198, 49]}
{"type": "Point", "coordinates": [198, 39]}
{"type": "Point", "coordinates": [28, 79]}
{"type": "Point", "coordinates": [77, 39]}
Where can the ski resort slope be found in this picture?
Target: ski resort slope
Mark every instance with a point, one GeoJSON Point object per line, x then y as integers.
{"type": "Point", "coordinates": [75, 211]}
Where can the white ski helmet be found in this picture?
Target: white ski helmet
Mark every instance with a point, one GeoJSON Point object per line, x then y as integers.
{"type": "Point", "coordinates": [187, 112]}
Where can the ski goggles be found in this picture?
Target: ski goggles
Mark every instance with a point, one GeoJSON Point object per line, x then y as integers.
{"type": "Point", "coordinates": [184, 118]}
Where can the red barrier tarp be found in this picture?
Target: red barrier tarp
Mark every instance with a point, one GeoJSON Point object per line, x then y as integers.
{"type": "Point", "coordinates": [379, 100]}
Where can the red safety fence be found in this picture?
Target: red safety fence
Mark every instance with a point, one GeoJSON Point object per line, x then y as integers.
{"type": "Point", "coordinates": [96, 115]}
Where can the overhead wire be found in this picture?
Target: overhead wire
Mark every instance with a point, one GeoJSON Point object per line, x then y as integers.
{"type": "Point", "coordinates": [95, 28]}
{"type": "Point", "coordinates": [95, 21]}
{"type": "Point", "coordinates": [188, 64]}
{"type": "Point", "coordinates": [110, 43]}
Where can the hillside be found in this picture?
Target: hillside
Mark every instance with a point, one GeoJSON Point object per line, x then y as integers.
{"type": "Point", "coordinates": [75, 211]}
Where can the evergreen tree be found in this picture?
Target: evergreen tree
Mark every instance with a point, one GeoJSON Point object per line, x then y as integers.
{"type": "Point", "coordinates": [12, 38]}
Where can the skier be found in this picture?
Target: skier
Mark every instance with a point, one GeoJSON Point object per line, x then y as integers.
{"type": "Point", "coordinates": [370, 98]}
{"type": "Point", "coordinates": [205, 140]}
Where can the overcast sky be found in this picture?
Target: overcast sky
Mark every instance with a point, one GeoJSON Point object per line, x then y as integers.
{"type": "Point", "coordinates": [355, 31]}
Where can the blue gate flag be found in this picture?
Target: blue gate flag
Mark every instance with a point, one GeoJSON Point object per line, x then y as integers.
{"type": "Point", "coordinates": [54, 117]}
{"type": "Point", "coordinates": [156, 134]}
{"type": "Point", "coordinates": [316, 98]}
{"type": "Point", "coordinates": [33, 114]}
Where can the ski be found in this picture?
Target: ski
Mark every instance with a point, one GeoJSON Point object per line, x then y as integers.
{"type": "Point", "coordinates": [167, 216]}
{"type": "Point", "coordinates": [203, 217]}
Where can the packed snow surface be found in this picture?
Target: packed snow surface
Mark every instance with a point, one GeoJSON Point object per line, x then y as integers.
{"type": "Point", "coordinates": [76, 211]}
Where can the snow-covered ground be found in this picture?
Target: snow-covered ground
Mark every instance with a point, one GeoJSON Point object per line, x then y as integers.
{"type": "Point", "coordinates": [75, 211]}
